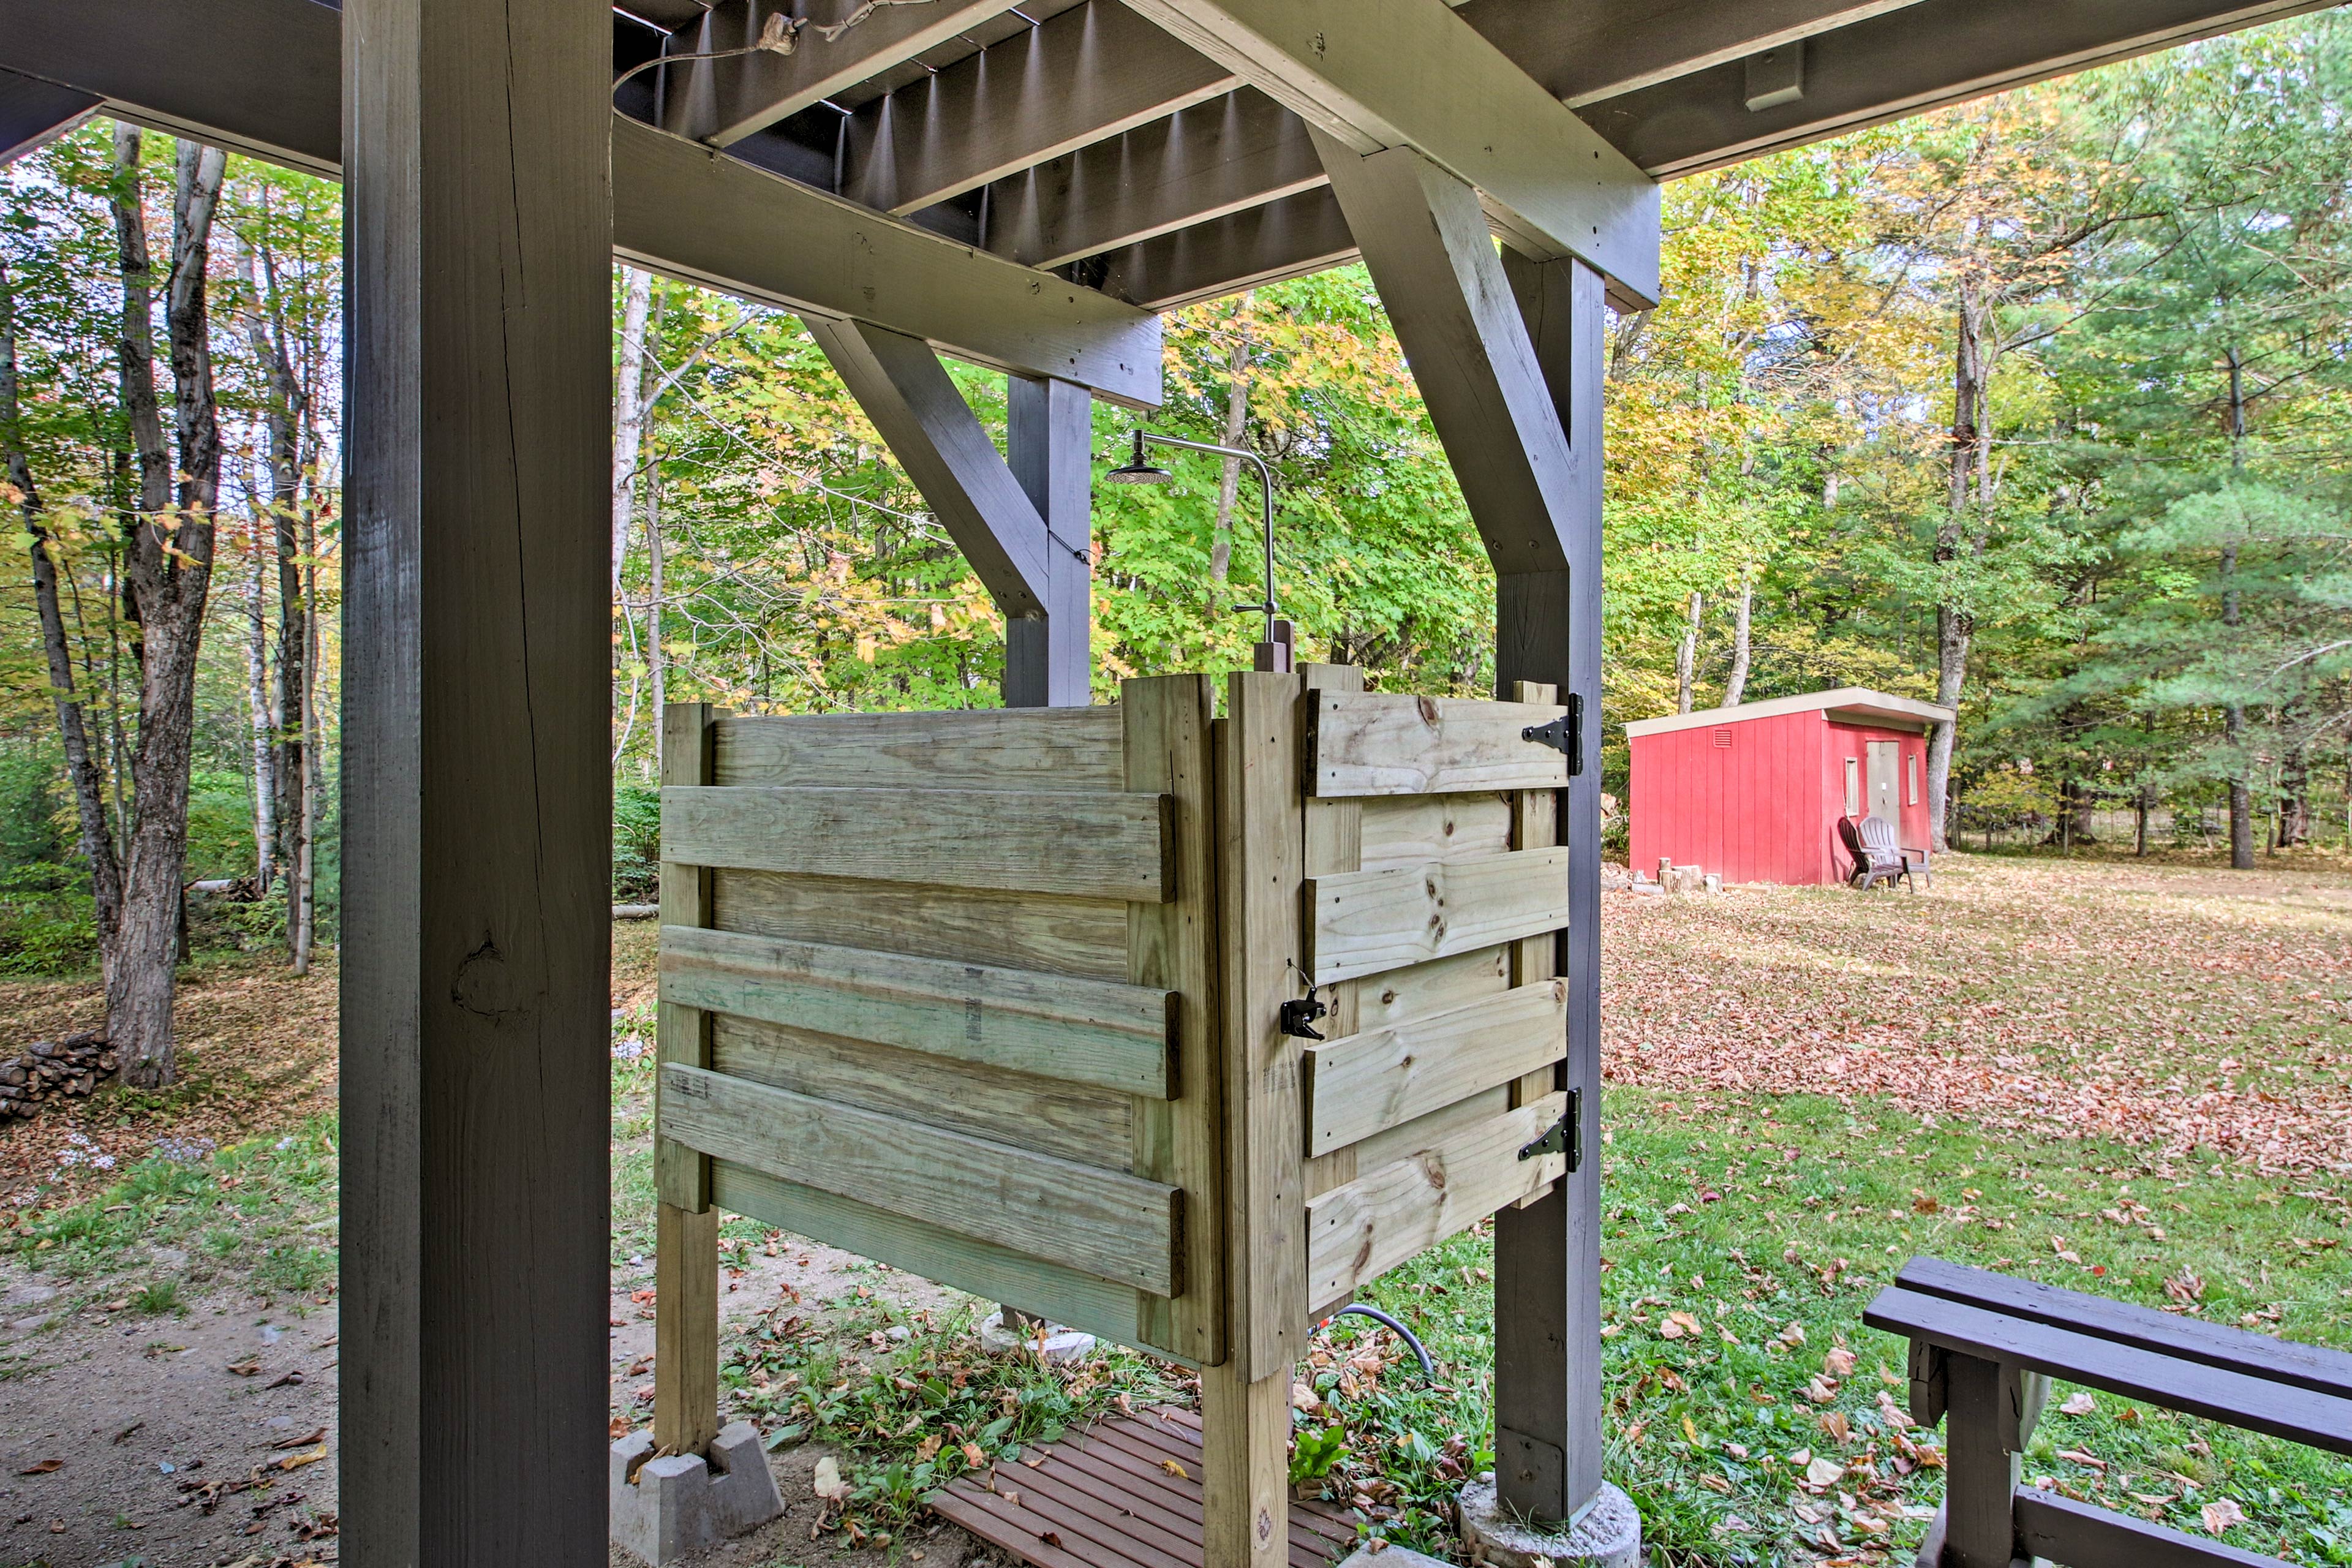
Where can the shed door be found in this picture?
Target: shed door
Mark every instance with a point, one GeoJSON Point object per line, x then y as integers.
{"type": "Point", "coordinates": [1882, 767]}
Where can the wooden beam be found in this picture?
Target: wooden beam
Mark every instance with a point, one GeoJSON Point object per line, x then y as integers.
{"type": "Point", "coordinates": [932, 431]}
{"type": "Point", "coordinates": [1235, 152]}
{"type": "Point", "coordinates": [1049, 447]}
{"type": "Point", "coordinates": [693, 214]}
{"type": "Point", "coordinates": [1426, 242]}
{"type": "Point", "coordinates": [264, 78]}
{"type": "Point", "coordinates": [33, 113]}
{"type": "Point", "coordinates": [973, 748]}
{"type": "Point", "coordinates": [833, 46]}
{"type": "Point", "coordinates": [1080, 76]}
{"type": "Point", "coordinates": [1373, 75]}
{"type": "Point", "coordinates": [1922, 56]}
{"type": "Point", "coordinates": [1590, 52]}
{"type": "Point", "coordinates": [1547, 1378]}
{"type": "Point", "coordinates": [476, 1094]}
{"type": "Point", "coordinates": [2057, 1528]}
{"type": "Point", "coordinates": [1384, 743]}
{"type": "Point", "coordinates": [1261, 245]}
{"type": "Point", "coordinates": [1369, 1082]}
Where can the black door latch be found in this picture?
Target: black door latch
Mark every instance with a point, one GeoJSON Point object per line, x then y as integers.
{"type": "Point", "coordinates": [1565, 733]}
{"type": "Point", "coordinates": [1298, 1017]}
{"type": "Point", "coordinates": [1566, 1138]}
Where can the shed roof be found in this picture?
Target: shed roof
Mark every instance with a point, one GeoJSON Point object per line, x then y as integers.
{"type": "Point", "coordinates": [1846, 704]}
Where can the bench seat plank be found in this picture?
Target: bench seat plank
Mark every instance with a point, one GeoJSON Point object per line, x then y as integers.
{"type": "Point", "coordinates": [2313, 1367]}
{"type": "Point", "coordinates": [2254, 1404]}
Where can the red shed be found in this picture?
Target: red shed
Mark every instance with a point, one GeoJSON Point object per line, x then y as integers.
{"type": "Point", "coordinates": [1755, 792]}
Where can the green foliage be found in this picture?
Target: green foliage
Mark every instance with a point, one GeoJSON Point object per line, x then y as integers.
{"type": "Point", "coordinates": [636, 843]}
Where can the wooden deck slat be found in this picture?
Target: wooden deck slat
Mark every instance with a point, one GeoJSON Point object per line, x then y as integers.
{"type": "Point", "coordinates": [1103, 1495]}
{"type": "Point", "coordinates": [1134, 1467]}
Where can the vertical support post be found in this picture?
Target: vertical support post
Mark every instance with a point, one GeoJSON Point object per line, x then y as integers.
{"type": "Point", "coordinates": [1049, 443]}
{"type": "Point", "coordinates": [478, 799]}
{"type": "Point", "coordinates": [1246, 1400]}
{"type": "Point", "coordinates": [1993, 1410]}
{"type": "Point", "coordinates": [1547, 1390]}
{"type": "Point", "coordinates": [686, 1227]}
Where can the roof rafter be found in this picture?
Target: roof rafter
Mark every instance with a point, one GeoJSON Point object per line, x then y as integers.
{"type": "Point", "coordinates": [264, 77]}
{"type": "Point", "coordinates": [1377, 74]}
{"type": "Point", "coordinates": [834, 43]}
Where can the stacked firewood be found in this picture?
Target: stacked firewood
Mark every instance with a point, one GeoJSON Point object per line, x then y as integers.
{"type": "Point", "coordinates": [51, 1069]}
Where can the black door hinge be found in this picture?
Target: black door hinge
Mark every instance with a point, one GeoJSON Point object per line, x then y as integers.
{"type": "Point", "coordinates": [1298, 1017]}
{"type": "Point", "coordinates": [1566, 1138]}
{"type": "Point", "coordinates": [1565, 733]}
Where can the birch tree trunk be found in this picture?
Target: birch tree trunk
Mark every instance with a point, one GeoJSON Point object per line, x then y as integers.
{"type": "Point", "coordinates": [1735, 690]}
{"type": "Point", "coordinates": [1687, 656]}
{"type": "Point", "coordinates": [1960, 535]}
{"type": "Point", "coordinates": [171, 560]}
{"type": "Point", "coordinates": [264, 723]}
{"type": "Point", "coordinates": [656, 660]}
{"type": "Point", "coordinates": [629, 414]}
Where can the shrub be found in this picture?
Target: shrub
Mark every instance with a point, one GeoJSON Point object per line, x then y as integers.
{"type": "Point", "coordinates": [636, 844]}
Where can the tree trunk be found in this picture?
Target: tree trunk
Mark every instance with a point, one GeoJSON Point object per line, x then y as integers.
{"type": "Point", "coordinates": [264, 723]}
{"type": "Point", "coordinates": [284, 411]}
{"type": "Point", "coordinates": [1962, 533]}
{"type": "Point", "coordinates": [82, 768]}
{"type": "Point", "coordinates": [2234, 718]}
{"type": "Point", "coordinates": [1735, 690]}
{"type": "Point", "coordinates": [655, 661]}
{"type": "Point", "coordinates": [2294, 799]}
{"type": "Point", "coordinates": [1221, 543]}
{"type": "Point", "coordinates": [629, 413]}
{"type": "Point", "coordinates": [171, 562]}
{"type": "Point", "coordinates": [302, 901]}
{"type": "Point", "coordinates": [1687, 656]}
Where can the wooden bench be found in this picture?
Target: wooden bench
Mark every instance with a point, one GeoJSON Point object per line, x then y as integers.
{"type": "Point", "coordinates": [1983, 1350]}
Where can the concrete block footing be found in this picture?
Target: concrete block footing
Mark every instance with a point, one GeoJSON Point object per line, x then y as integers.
{"type": "Point", "coordinates": [665, 1509]}
{"type": "Point", "coordinates": [1391, 1557]}
{"type": "Point", "coordinates": [1060, 1346]}
{"type": "Point", "coordinates": [1609, 1536]}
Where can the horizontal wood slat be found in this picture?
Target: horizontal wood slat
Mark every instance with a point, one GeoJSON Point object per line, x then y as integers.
{"type": "Point", "coordinates": [1377, 743]}
{"type": "Point", "coordinates": [1085, 937]}
{"type": "Point", "coordinates": [999, 1273]}
{"type": "Point", "coordinates": [2216, 1344]}
{"type": "Point", "coordinates": [1056, 749]}
{"type": "Point", "coordinates": [1117, 1226]}
{"type": "Point", "coordinates": [1367, 921]}
{"type": "Point", "coordinates": [1081, 1031]}
{"type": "Point", "coordinates": [1388, 1214]}
{"type": "Point", "coordinates": [1384, 1078]}
{"type": "Point", "coordinates": [1101, 846]}
{"type": "Point", "coordinates": [2060, 1530]}
{"type": "Point", "coordinates": [2256, 1405]}
{"type": "Point", "coordinates": [1077, 1122]}
{"type": "Point", "coordinates": [1414, 829]}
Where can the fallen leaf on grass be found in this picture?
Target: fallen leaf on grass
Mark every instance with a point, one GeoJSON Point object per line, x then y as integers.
{"type": "Point", "coordinates": [42, 1468]}
{"type": "Point", "coordinates": [1678, 1324]}
{"type": "Point", "coordinates": [2221, 1514]}
{"type": "Point", "coordinates": [1823, 1471]}
{"type": "Point", "coordinates": [2078, 1404]}
{"type": "Point", "coordinates": [827, 1482]}
{"type": "Point", "coordinates": [973, 1456]}
{"type": "Point", "coordinates": [2077, 1456]}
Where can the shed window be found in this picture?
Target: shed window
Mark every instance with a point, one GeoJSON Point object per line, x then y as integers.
{"type": "Point", "coordinates": [1853, 787]}
{"type": "Point", "coordinates": [1911, 778]}
{"type": "Point", "coordinates": [1722, 739]}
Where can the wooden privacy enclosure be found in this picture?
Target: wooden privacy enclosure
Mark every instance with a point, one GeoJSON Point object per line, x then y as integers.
{"type": "Point", "coordinates": [1173, 1028]}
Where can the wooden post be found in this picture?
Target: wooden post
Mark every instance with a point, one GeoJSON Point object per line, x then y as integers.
{"type": "Point", "coordinates": [477, 804]}
{"type": "Point", "coordinates": [686, 1227]}
{"type": "Point", "coordinates": [1516, 396]}
{"type": "Point", "coordinates": [1991, 1410]}
{"type": "Point", "coordinates": [1049, 442]}
{"type": "Point", "coordinates": [1246, 1400]}
{"type": "Point", "coordinates": [1548, 1384]}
